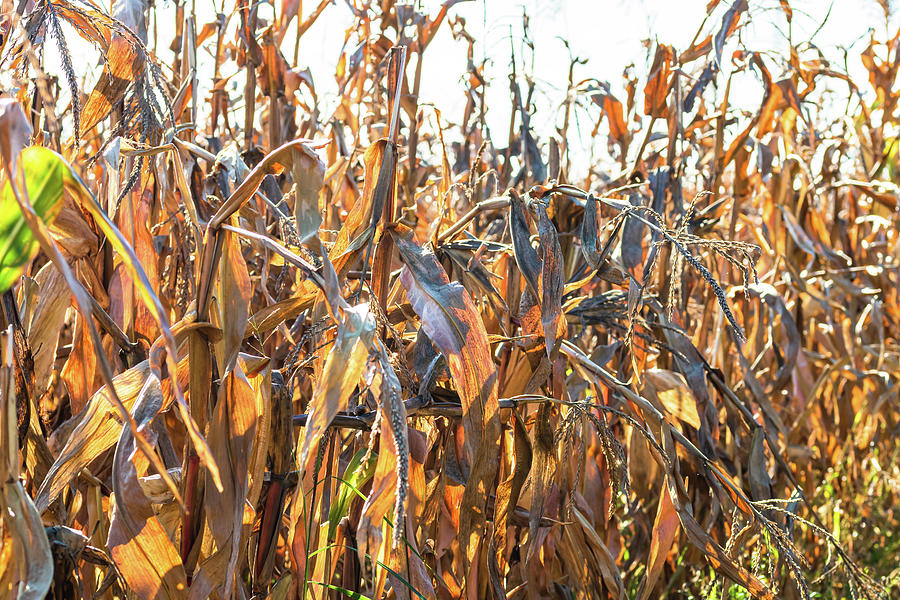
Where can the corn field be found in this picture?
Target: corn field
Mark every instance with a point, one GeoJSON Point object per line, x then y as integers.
{"type": "Point", "coordinates": [263, 341]}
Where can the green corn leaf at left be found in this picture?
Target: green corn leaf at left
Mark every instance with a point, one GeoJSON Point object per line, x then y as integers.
{"type": "Point", "coordinates": [44, 178]}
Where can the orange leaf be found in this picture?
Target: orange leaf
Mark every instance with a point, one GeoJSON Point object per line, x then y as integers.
{"type": "Point", "coordinates": [657, 89]}
{"type": "Point", "coordinates": [123, 66]}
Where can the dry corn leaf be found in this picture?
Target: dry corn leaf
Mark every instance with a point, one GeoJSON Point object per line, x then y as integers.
{"type": "Point", "coordinates": [123, 65]}
{"type": "Point", "coordinates": [138, 544]}
{"type": "Point", "coordinates": [99, 427]}
{"type": "Point", "coordinates": [456, 329]}
{"type": "Point", "coordinates": [232, 435]}
{"type": "Point", "coordinates": [342, 371]}
{"type": "Point", "coordinates": [29, 565]}
{"type": "Point", "coordinates": [665, 530]}
{"type": "Point", "coordinates": [673, 394]}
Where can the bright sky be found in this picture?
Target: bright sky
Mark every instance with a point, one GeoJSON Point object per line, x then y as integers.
{"type": "Point", "coordinates": [610, 34]}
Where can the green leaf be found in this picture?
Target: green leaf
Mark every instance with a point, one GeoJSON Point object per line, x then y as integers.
{"type": "Point", "coordinates": [44, 173]}
{"type": "Point", "coordinates": [348, 593]}
{"type": "Point", "coordinates": [355, 476]}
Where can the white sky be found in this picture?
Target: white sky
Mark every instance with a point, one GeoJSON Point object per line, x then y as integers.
{"type": "Point", "coordinates": [610, 34]}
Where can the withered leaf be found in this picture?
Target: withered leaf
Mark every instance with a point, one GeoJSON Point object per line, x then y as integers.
{"type": "Point", "coordinates": [343, 370]}
{"type": "Point", "coordinates": [138, 544]}
{"type": "Point", "coordinates": [673, 394]}
{"type": "Point", "coordinates": [456, 329]}
{"type": "Point", "coordinates": [98, 429]}
{"type": "Point", "coordinates": [123, 65]}
{"type": "Point", "coordinates": [730, 21]}
{"type": "Point", "coordinates": [26, 565]}
{"type": "Point", "coordinates": [665, 530]}
{"type": "Point", "coordinates": [551, 289]}
{"type": "Point", "coordinates": [658, 83]}
{"type": "Point", "coordinates": [232, 434]}
{"type": "Point", "coordinates": [308, 172]}
{"type": "Point", "coordinates": [526, 255]}
{"type": "Point", "coordinates": [234, 290]}
{"type": "Point", "coordinates": [509, 489]}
